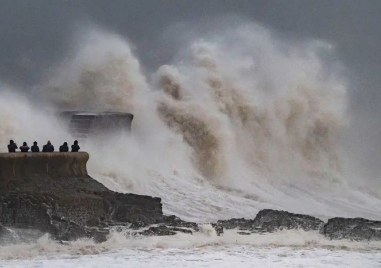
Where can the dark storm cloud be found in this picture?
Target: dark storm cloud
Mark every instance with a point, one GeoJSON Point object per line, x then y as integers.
{"type": "Point", "coordinates": [35, 33]}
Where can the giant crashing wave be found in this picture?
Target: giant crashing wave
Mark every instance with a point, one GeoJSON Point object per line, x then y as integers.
{"type": "Point", "coordinates": [238, 122]}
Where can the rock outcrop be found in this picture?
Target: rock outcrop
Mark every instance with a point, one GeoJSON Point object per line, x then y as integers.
{"type": "Point", "coordinates": [170, 226]}
{"type": "Point", "coordinates": [53, 193]}
{"type": "Point", "coordinates": [269, 220]}
{"type": "Point", "coordinates": [353, 229]}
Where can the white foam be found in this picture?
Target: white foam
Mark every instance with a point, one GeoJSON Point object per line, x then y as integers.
{"type": "Point", "coordinates": [202, 241]}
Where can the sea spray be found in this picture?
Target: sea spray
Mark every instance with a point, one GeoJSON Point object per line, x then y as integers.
{"type": "Point", "coordinates": [265, 120]}
{"type": "Point", "coordinates": [237, 122]}
{"type": "Point", "coordinates": [206, 240]}
{"type": "Point", "coordinates": [101, 75]}
{"type": "Point", "coordinates": [23, 120]}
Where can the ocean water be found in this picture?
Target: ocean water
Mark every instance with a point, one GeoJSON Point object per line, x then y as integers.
{"type": "Point", "coordinates": [237, 122]}
{"type": "Point", "coordinates": [283, 249]}
{"type": "Point", "coordinates": [243, 256]}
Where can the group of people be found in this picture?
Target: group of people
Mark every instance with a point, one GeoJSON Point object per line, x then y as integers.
{"type": "Point", "coordinates": [48, 147]}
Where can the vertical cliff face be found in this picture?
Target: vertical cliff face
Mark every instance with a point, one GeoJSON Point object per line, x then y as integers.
{"type": "Point", "coordinates": [53, 193]}
{"type": "Point", "coordinates": [20, 169]}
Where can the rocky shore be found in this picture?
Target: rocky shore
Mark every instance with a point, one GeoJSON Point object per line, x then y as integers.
{"type": "Point", "coordinates": [53, 193]}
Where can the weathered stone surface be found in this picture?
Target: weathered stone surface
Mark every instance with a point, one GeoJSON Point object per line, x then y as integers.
{"type": "Point", "coordinates": [161, 230]}
{"type": "Point", "coordinates": [353, 229]}
{"type": "Point", "coordinates": [53, 193]}
{"type": "Point", "coordinates": [164, 230]}
{"type": "Point", "coordinates": [269, 220]}
{"type": "Point", "coordinates": [174, 221]}
{"type": "Point", "coordinates": [17, 167]}
{"type": "Point", "coordinates": [241, 224]}
{"type": "Point", "coordinates": [218, 228]}
{"type": "Point", "coordinates": [171, 225]}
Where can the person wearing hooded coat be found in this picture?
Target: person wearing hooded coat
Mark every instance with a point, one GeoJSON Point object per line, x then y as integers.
{"type": "Point", "coordinates": [48, 148]}
{"type": "Point", "coordinates": [24, 148]}
{"type": "Point", "coordinates": [64, 148]}
{"type": "Point", "coordinates": [75, 147]}
{"type": "Point", "coordinates": [35, 148]}
{"type": "Point", "coordinates": [12, 146]}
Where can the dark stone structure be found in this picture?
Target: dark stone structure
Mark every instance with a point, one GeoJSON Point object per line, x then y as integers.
{"type": "Point", "coordinates": [83, 125]}
{"type": "Point", "coordinates": [53, 193]}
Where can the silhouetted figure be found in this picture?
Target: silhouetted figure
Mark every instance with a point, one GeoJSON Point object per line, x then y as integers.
{"type": "Point", "coordinates": [75, 147]}
{"type": "Point", "coordinates": [35, 148]}
{"type": "Point", "coordinates": [12, 146]}
{"type": "Point", "coordinates": [64, 148]}
{"type": "Point", "coordinates": [48, 148]}
{"type": "Point", "coordinates": [24, 148]}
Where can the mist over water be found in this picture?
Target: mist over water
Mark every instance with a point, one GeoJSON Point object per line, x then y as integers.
{"type": "Point", "coordinates": [237, 122]}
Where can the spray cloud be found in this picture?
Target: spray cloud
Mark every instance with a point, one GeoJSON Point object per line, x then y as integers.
{"type": "Point", "coordinates": [239, 119]}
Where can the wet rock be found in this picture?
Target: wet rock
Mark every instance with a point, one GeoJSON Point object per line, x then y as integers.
{"type": "Point", "coordinates": [52, 193]}
{"type": "Point", "coordinates": [163, 230]}
{"type": "Point", "coordinates": [240, 224]}
{"type": "Point", "coordinates": [269, 220]}
{"type": "Point", "coordinates": [219, 229]}
{"type": "Point", "coordinates": [174, 221]}
{"type": "Point", "coordinates": [353, 229]}
{"type": "Point", "coordinates": [182, 230]}
{"type": "Point", "coordinates": [15, 235]}
{"type": "Point", "coordinates": [171, 225]}
{"type": "Point", "coordinates": [244, 233]}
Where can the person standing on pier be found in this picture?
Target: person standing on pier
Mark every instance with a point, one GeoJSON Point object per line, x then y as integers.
{"type": "Point", "coordinates": [75, 147]}
{"type": "Point", "coordinates": [48, 148]}
{"type": "Point", "coordinates": [12, 146]}
{"type": "Point", "coordinates": [64, 148]}
{"type": "Point", "coordinates": [24, 148]}
{"type": "Point", "coordinates": [35, 148]}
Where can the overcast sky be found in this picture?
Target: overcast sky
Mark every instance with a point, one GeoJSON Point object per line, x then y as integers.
{"type": "Point", "coordinates": [35, 34]}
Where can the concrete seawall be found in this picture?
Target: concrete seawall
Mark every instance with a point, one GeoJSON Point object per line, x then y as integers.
{"type": "Point", "coordinates": [14, 166]}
